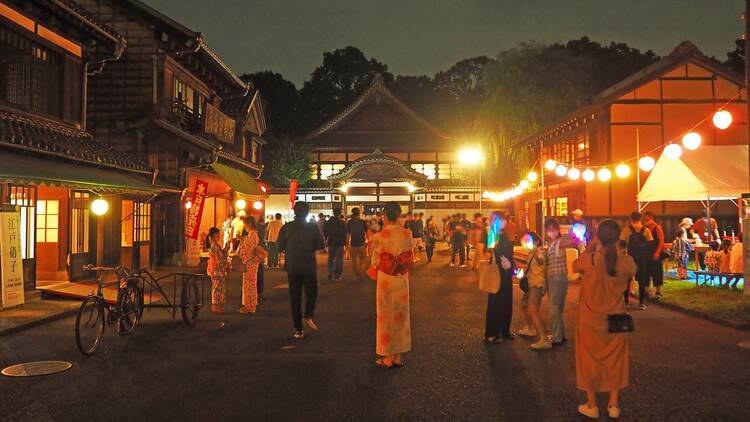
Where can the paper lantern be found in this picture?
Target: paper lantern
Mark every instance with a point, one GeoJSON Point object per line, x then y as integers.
{"type": "Point", "coordinates": [257, 205]}
{"type": "Point", "coordinates": [673, 151]}
{"type": "Point", "coordinates": [646, 163]}
{"type": "Point", "coordinates": [240, 204]}
{"type": "Point", "coordinates": [622, 171]}
{"type": "Point", "coordinates": [588, 175]}
{"type": "Point", "coordinates": [560, 170]}
{"type": "Point", "coordinates": [691, 141]}
{"type": "Point", "coordinates": [99, 206]}
{"type": "Point", "coordinates": [550, 165]}
{"type": "Point", "coordinates": [524, 184]}
{"type": "Point", "coordinates": [722, 119]}
{"type": "Point", "coordinates": [604, 175]}
{"type": "Point", "coordinates": [574, 174]}
{"type": "Point", "coordinates": [532, 176]}
{"type": "Point", "coordinates": [188, 204]}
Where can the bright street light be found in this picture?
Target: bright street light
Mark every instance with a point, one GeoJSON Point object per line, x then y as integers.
{"type": "Point", "coordinates": [470, 156]}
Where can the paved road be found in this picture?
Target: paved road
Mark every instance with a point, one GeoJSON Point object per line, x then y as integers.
{"type": "Point", "coordinates": [683, 369]}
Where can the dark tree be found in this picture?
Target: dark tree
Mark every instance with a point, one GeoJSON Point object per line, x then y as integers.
{"type": "Point", "coordinates": [736, 58]}
{"type": "Point", "coordinates": [344, 74]}
{"type": "Point", "coordinates": [281, 102]}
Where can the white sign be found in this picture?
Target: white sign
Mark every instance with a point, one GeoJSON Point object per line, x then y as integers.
{"type": "Point", "coordinates": [11, 262]}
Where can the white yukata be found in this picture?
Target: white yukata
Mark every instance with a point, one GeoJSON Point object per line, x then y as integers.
{"type": "Point", "coordinates": [392, 259]}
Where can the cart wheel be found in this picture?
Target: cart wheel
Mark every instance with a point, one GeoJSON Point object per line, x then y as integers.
{"type": "Point", "coordinates": [190, 301]}
{"type": "Point", "coordinates": [89, 325]}
{"type": "Point", "coordinates": [130, 308]}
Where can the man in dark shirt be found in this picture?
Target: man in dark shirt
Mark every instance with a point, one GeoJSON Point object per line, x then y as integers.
{"type": "Point", "coordinates": [299, 240]}
{"type": "Point", "coordinates": [356, 233]}
{"type": "Point", "coordinates": [335, 236]}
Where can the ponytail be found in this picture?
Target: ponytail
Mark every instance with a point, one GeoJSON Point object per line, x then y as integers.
{"type": "Point", "coordinates": [608, 233]}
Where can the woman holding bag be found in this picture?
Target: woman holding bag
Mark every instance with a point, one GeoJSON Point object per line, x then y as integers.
{"type": "Point", "coordinates": [392, 261]}
{"type": "Point", "coordinates": [601, 351]}
{"type": "Point", "coordinates": [500, 304]}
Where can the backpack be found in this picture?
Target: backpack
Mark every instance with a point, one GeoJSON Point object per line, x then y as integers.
{"type": "Point", "coordinates": [637, 243]}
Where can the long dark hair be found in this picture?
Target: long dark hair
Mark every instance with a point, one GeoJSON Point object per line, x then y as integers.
{"type": "Point", "coordinates": [211, 232]}
{"type": "Point", "coordinates": [609, 233]}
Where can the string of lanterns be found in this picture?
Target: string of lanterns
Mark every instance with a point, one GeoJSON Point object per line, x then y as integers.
{"type": "Point", "coordinates": [691, 140]}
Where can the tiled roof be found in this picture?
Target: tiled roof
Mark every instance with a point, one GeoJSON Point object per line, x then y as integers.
{"type": "Point", "coordinates": [53, 138]}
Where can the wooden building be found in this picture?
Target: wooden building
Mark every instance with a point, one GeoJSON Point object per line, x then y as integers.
{"type": "Point", "coordinates": [51, 169]}
{"type": "Point", "coordinates": [635, 117]}
{"type": "Point", "coordinates": [171, 101]}
{"type": "Point", "coordinates": [377, 150]}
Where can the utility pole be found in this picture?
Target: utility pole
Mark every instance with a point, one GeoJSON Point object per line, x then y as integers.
{"type": "Point", "coordinates": [746, 216]}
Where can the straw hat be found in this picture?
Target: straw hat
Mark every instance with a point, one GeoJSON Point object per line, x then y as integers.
{"type": "Point", "coordinates": [577, 212]}
{"type": "Point", "coordinates": [686, 222]}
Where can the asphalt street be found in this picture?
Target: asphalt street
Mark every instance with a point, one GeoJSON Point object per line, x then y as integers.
{"type": "Point", "coordinates": [240, 367]}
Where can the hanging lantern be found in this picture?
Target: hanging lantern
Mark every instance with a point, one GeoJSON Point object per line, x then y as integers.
{"type": "Point", "coordinates": [574, 174]}
{"type": "Point", "coordinates": [524, 184]}
{"type": "Point", "coordinates": [257, 205]}
{"type": "Point", "coordinates": [604, 175]}
{"type": "Point", "coordinates": [691, 141]}
{"type": "Point", "coordinates": [99, 207]}
{"type": "Point", "coordinates": [588, 175]}
{"type": "Point", "coordinates": [722, 119]}
{"type": "Point", "coordinates": [646, 163]}
{"type": "Point", "coordinates": [188, 204]}
{"type": "Point", "coordinates": [560, 170]}
{"type": "Point", "coordinates": [622, 171]}
{"type": "Point", "coordinates": [673, 151]}
{"type": "Point", "coordinates": [240, 204]}
{"type": "Point", "coordinates": [550, 165]}
{"type": "Point", "coordinates": [517, 191]}
{"type": "Point", "coordinates": [532, 176]}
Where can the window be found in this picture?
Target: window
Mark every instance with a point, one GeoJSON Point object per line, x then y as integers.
{"type": "Point", "coordinates": [314, 172]}
{"type": "Point", "coordinates": [575, 152]}
{"type": "Point", "coordinates": [329, 170]}
{"type": "Point", "coordinates": [30, 73]}
{"type": "Point", "coordinates": [428, 169]}
{"type": "Point", "coordinates": [186, 99]}
{"type": "Point", "coordinates": [449, 171]}
{"type": "Point", "coordinates": [557, 206]}
{"type": "Point", "coordinates": [136, 222]}
{"type": "Point", "coordinates": [79, 223]}
{"type": "Point", "coordinates": [47, 221]}
{"type": "Point", "coordinates": [26, 199]}
{"type": "Point", "coordinates": [255, 157]}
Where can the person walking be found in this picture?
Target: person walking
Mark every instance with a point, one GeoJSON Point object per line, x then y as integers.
{"type": "Point", "coordinates": [248, 252]}
{"type": "Point", "coordinates": [392, 261]}
{"type": "Point", "coordinates": [458, 246]}
{"type": "Point", "coordinates": [272, 236]}
{"type": "Point", "coordinates": [557, 279]}
{"type": "Point", "coordinates": [356, 239]}
{"type": "Point", "coordinates": [601, 356]}
{"type": "Point", "coordinates": [299, 240]}
{"type": "Point", "coordinates": [655, 252]}
{"type": "Point", "coordinates": [218, 266]}
{"type": "Point", "coordinates": [681, 250]}
{"type": "Point", "coordinates": [334, 232]}
{"type": "Point", "coordinates": [431, 235]}
{"type": "Point", "coordinates": [500, 305]}
{"type": "Point", "coordinates": [637, 236]}
{"type": "Point", "coordinates": [476, 239]}
{"type": "Point", "coordinates": [536, 264]}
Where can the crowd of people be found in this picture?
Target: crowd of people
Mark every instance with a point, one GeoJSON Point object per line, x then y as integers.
{"type": "Point", "coordinates": [614, 263]}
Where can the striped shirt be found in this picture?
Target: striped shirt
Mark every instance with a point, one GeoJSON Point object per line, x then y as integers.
{"type": "Point", "coordinates": [557, 263]}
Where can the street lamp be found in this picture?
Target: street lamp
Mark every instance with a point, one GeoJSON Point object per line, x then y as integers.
{"type": "Point", "coordinates": [473, 157]}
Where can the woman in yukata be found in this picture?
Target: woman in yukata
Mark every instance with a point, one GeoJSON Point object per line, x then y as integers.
{"type": "Point", "coordinates": [251, 254]}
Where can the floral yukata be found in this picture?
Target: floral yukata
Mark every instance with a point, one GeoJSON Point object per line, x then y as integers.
{"type": "Point", "coordinates": [392, 260]}
{"type": "Point", "coordinates": [218, 265]}
{"type": "Point", "coordinates": [247, 252]}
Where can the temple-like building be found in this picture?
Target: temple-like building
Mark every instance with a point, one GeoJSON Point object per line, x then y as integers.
{"type": "Point", "coordinates": [377, 150]}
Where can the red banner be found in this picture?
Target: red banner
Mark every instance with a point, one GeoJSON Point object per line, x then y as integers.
{"type": "Point", "coordinates": [293, 185]}
{"type": "Point", "coordinates": [194, 214]}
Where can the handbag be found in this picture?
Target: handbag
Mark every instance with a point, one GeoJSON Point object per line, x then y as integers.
{"type": "Point", "coordinates": [489, 276]}
{"type": "Point", "coordinates": [524, 283]}
{"type": "Point", "coordinates": [620, 323]}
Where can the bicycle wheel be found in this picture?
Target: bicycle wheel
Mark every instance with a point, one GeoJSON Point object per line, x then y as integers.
{"type": "Point", "coordinates": [89, 325]}
{"type": "Point", "coordinates": [130, 308]}
{"type": "Point", "coordinates": [191, 301]}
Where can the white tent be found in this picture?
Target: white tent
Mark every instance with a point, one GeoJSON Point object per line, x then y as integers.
{"type": "Point", "coordinates": [711, 171]}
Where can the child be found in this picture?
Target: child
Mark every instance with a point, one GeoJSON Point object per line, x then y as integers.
{"type": "Point", "coordinates": [218, 266]}
{"type": "Point", "coordinates": [681, 249]}
{"type": "Point", "coordinates": [532, 298]}
{"type": "Point", "coordinates": [458, 244]}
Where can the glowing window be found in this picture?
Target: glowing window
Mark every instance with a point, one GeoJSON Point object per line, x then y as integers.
{"type": "Point", "coordinates": [47, 221]}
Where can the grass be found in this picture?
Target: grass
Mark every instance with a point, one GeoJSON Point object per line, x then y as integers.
{"type": "Point", "coordinates": [720, 303]}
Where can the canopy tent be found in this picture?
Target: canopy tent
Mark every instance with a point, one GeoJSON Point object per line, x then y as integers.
{"type": "Point", "coordinates": [711, 171]}
{"type": "Point", "coordinates": [239, 180]}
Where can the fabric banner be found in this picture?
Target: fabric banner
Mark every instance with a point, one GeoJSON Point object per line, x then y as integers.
{"type": "Point", "coordinates": [293, 186]}
{"type": "Point", "coordinates": [11, 263]}
{"type": "Point", "coordinates": [194, 214]}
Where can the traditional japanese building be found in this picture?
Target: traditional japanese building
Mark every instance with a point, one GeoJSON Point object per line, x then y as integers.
{"type": "Point", "coordinates": [377, 150]}
{"type": "Point", "coordinates": [171, 101]}
{"type": "Point", "coordinates": [637, 116]}
{"type": "Point", "coordinates": [51, 169]}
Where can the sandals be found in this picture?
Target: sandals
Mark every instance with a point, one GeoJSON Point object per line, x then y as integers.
{"type": "Point", "coordinates": [382, 363]}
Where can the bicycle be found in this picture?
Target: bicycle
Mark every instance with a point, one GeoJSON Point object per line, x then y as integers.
{"type": "Point", "coordinates": [95, 311]}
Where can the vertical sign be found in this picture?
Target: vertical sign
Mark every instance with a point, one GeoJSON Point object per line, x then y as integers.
{"type": "Point", "coordinates": [11, 263]}
{"type": "Point", "coordinates": [193, 225]}
{"type": "Point", "coordinates": [293, 186]}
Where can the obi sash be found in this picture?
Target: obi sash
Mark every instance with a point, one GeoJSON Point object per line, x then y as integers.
{"type": "Point", "coordinates": [393, 265]}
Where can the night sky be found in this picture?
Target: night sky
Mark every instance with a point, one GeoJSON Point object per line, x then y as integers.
{"type": "Point", "coordinates": [423, 36]}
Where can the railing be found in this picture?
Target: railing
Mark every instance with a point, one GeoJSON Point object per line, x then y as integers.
{"type": "Point", "coordinates": [187, 119]}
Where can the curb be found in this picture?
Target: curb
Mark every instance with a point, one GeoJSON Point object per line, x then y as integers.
{"type": "Point", "coordinates": [37, 322]}
{"type": "Point", "coordinates": [703, 315]}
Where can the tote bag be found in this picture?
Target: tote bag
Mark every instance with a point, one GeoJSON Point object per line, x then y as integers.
{"type": "Point", "coordinates": [489, 275]}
